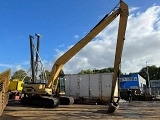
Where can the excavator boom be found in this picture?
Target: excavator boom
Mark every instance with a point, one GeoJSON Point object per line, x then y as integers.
{"type": "Point", "coordinates": [123, 11]}
{"type": "Point", "coordinates": [77, 47]}
{"type": "Point", "coordinates": [120, 42]}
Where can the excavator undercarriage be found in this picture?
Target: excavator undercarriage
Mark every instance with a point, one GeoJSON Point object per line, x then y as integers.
{"type": "Point", "coordinates": [46, 101]}
{"type": "Point", "coordinates": [41, 101]}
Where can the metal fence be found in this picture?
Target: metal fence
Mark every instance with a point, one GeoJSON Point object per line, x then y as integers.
{"type": "Point", "coordinates": [154, 91]}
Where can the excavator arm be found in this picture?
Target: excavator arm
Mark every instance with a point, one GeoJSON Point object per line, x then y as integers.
{"type": "Point", "coordinates": [122, 10]}
{"type": "Point", "coordinates": [120, 42]}
{"type": "Point", "coordinates": [119, 47]}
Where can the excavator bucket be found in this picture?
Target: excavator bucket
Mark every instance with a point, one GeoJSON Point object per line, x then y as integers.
{"type": "Point", "coordinates": [113, 107]}
{"type": "Point", "coordinates": [114, 104]}
{"type": "Point", "coordinates": [4, 84]}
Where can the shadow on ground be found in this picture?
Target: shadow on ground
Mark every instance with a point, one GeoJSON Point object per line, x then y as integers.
{"type": "Point", "coordinates": [9, 117]}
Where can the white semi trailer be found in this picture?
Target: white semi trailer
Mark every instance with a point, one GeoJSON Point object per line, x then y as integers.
{"type": "Point", "coordinates": [90, 86]}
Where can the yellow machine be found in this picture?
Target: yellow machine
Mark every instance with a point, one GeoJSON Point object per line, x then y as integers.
{"type": "Point", "coordinates": [15, 88]}
{"type": "Point", "coordinates": [16, 84]}
{"type": "Point", "coordinates": [38, 93]}
{"type": "Point", "coordinates": [4, 84]}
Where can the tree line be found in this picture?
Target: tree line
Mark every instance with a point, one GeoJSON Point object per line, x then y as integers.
{"type": "Point", "coordinates": [23, 75]}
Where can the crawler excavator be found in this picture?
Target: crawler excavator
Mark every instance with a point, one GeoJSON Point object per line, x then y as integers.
{"type": "Point", "coordinates": [45, 94]}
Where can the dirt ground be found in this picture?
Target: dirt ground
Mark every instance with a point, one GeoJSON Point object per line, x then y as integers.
{"type": "Point", "coordinates": [144, 110]}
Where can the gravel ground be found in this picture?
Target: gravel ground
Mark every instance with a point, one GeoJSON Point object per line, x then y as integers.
{"type": "Point", "coordinates": [144, 110]}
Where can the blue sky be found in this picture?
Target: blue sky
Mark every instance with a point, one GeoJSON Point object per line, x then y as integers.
{"type": "Point", "coordinates": [62, 23]}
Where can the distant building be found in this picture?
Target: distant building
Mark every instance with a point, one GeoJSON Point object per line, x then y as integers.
{"type": "Point", "coordinates": [132, 81]}
{"type": "Point", "coordinates": [155, 83]}
{"type": "Point", "coordinates": [155, 87]}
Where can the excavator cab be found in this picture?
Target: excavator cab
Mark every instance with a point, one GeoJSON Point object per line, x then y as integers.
{"type": "Point", "coordinates": [61, 86]}
{"type": "Point", "coordinates": [60, 89]}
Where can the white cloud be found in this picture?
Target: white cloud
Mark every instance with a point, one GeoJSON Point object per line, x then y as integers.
{"type": "Point", "coordinates": [133, 9]}
{"type": "Point", "coordinates": [62, 45]}
{"type": "Point", "coordinates": [6, 65]}
{"type": "Point", "coordinates": [26, 63]}
{"type": "Point", "coordinates": [18, 67]}
{"type": "Point", "coordinates": [141, 44]}
{"type": "Point", "coordinates": [15, 67]}
{"type": "Point", "coordinates": [142, 40]}
{"type": "Point", "coordinates": [76, 36]}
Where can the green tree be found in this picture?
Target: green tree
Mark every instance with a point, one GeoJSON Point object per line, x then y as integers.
{"type": "Point", "coordinates": [158, 73]}
{"type": "Point", "coordinates": [86, 72]}
{"type": "Point", "coordinates": [27, 79]}
{"type": "Point", "coordinates": [20, 74]}
{"type": "Point", "coordinates": [110, 69]}
{"type": "Point", "coordinates": [96, 71]}
{"type": "Point", "coordinates": [153, 72]}
{"type": "Point", "coordinates": [47, 74]}
{"type": "Point", "coordinates": [104, 70]}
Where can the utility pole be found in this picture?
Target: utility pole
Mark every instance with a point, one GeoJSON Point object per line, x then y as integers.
{"type": "Point", "coordinates": [148, 76]}
{"type": "Point", "coordinates": [149, 89]}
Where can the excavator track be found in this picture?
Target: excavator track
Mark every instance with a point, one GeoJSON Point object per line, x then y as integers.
{"type": "Point", "coordinates": [65, 100]}
{"type": "Point", "coordinates": [40, 101]}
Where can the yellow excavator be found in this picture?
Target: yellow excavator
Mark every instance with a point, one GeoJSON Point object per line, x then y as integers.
{"type": "Point", "coordinates": [45, 94]}
{"type": "Point", "coordinates": [4, 85]}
